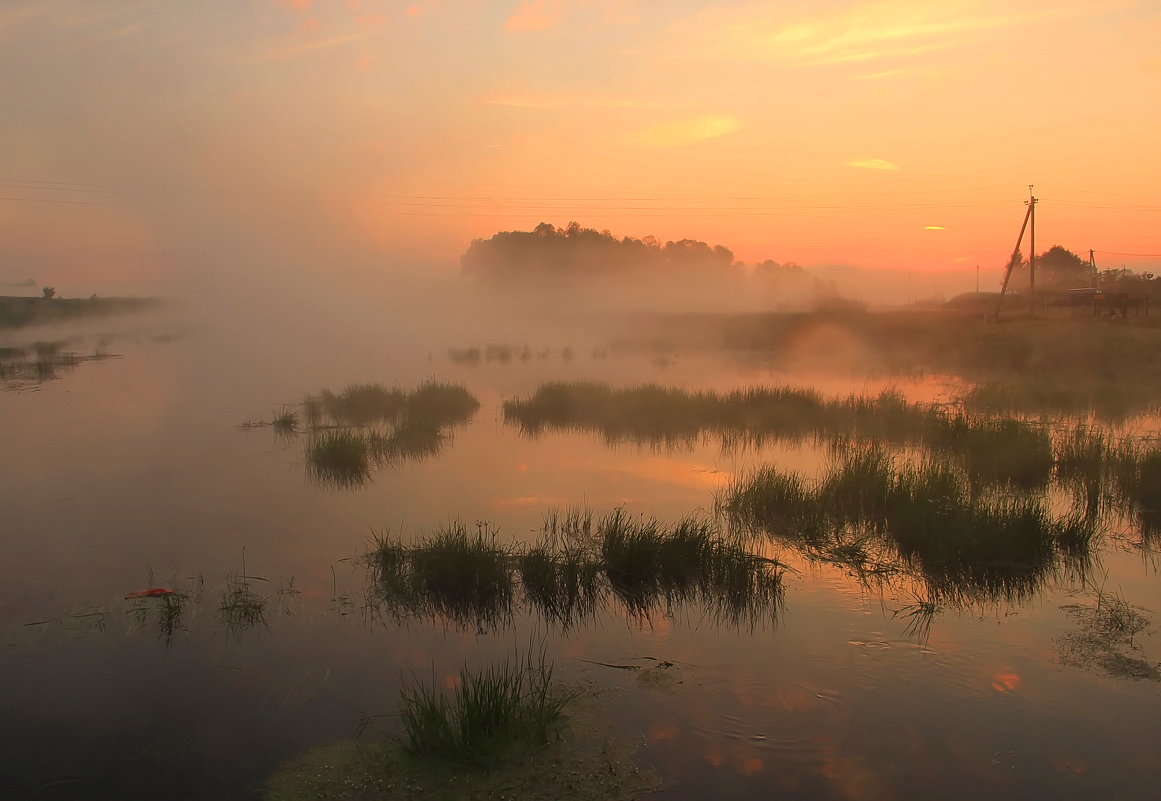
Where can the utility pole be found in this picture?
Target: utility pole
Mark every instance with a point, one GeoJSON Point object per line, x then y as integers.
{"type": "Point", "coordinates": [977, 279]}
{"type": "Point", "coordinates": [1032, 247]}
{"type": "Point", "coordinates": [1096, 274]}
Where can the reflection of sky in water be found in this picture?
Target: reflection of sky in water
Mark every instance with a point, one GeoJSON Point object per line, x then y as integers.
{"type": "Point", "coordinates": [136, 465]}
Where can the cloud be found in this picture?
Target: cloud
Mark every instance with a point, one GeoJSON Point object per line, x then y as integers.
{"type": "Point", "coordinates": [534, 15]}
{"type": "Point", "coordinates": [854, 32]}
{"type": "Point", "coordinates": [873, 164]}
{"type": "Point", "coordinates": [686, 132]}
{"type": "Point", "coordinates": [559, 101]}
{"type": "Point", "coordinates": [934, 228]}
{"type": "Point", "coordinates": [282, 51]}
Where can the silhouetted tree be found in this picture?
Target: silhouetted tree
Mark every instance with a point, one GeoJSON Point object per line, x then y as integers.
{"type": "Point", "coordinates": [1058, 267]}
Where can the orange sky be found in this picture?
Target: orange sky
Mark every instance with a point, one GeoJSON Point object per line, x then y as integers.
{"type": "Point", "coordinates": [878, 134]}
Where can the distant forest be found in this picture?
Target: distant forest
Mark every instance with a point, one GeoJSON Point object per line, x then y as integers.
{"type": "Point", "coordinates": [551, 253]}
{"type": "Point", "coordinates": [575, 256]}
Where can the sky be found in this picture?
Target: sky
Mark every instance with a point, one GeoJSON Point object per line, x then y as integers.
{"type": "Point", "coordinates": [140, 141]}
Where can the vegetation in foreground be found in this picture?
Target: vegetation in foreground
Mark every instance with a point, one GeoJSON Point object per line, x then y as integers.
{"type": "Point", "coordinates": [488, 713]}
{"type": "Point", "coordinates": [585, 759]}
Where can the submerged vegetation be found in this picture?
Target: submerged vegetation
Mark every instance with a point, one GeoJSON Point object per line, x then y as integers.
{"type": "Point", "coordinates": [469, 579]}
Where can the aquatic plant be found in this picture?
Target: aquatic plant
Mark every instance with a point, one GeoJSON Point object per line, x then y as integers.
{"type": "Point", "coordinates": [440, 403]}
{"type": "Point", "coordinates": [491, 710]}
{"type": "Point", "coordinates": [463, 577]}
{"type": "Point", "coordinates": [649, 567]}
{"type": "Point", "coordinates": [875, 517]}
{"type": "Point", "coordinates": [286, 421]}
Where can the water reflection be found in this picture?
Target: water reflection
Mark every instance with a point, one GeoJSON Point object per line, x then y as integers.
{"type": "Point", "coordinates": [27, 367]}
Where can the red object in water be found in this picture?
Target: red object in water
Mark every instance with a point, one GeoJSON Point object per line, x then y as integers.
{"type": "Point", "coordinates": [152, 592]}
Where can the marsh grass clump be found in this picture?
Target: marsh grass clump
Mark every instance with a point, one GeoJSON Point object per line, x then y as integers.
{"type": "Point", "coordinates": [875, 518]}
{"type": "Point", "coordinates": [465, 356]}
{"type": "Point", "coordinates": [858, 488]}
{"type": "Point", "coordinates": [1000, 549]}
{"type": "Point", "coordinates": [470, 580]}
{"type": "Point", "coordinates": [1081, 455]}
{"type": "Point", "coordinates": [408, 426]}
{"type": "Point", "coordinates": [491, 711]}
{"type": "Point", "coordinates": [772, 501]}
{"type": "Point", "coordinates": [646, 564]}
{"type": "Point", "coordinates": [460, 576]}
{"type": "Point", "coordinates": [363, 404]}
{"type": "Point", "coordinates": [570, 527]}
{"type": "Point", "coordinates": [339, 458]}
{"type": "Point", "coordinates": [441, 404]}
{"type": "Point", "coordinates": [286, 421]}
{"type": "Point", "coordinates": [241, 608]}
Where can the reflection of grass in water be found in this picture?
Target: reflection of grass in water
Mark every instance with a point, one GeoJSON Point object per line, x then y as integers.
{"type": "Point", "coordinates": [339, 458]}
{"type": "Point", "coordinates": [241, 608]}
{"type": "Point", "coordinates": [647, 566]}
{"type": "Point", "coordinates": [170, 610]}
{"type": "Point", "coordinates": [412, 439]}
{"type": "Point", "coordinates": [488, 713]}
{"type": "Point", "coordinates": [563, 587]}
{"type": "Point", "coordinates": [1104, 638]}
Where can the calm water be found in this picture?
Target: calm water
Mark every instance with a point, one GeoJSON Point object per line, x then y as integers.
{"type": "Point", "coordinates": [131, 472]}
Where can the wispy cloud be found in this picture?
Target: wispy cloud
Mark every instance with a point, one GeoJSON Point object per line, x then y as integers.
{"type": "Point", "coordinates": [860, 31]}
{"type": "Point", "coordinates": [298, 48]}
{"type": "Point", "coordinates": [686, 132]}
{"type": "Point", "coordinates": [873, 164]}
{"type": "Point", "coordinates": [534, 15]}
{"type": "Point", "coordinates": [561, 101]}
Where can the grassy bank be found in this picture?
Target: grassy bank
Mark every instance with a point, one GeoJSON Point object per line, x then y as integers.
{"type": "Point", "coordinates": [16, 312]}
{"type": "Point", "coordinates": [1058, 362]}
